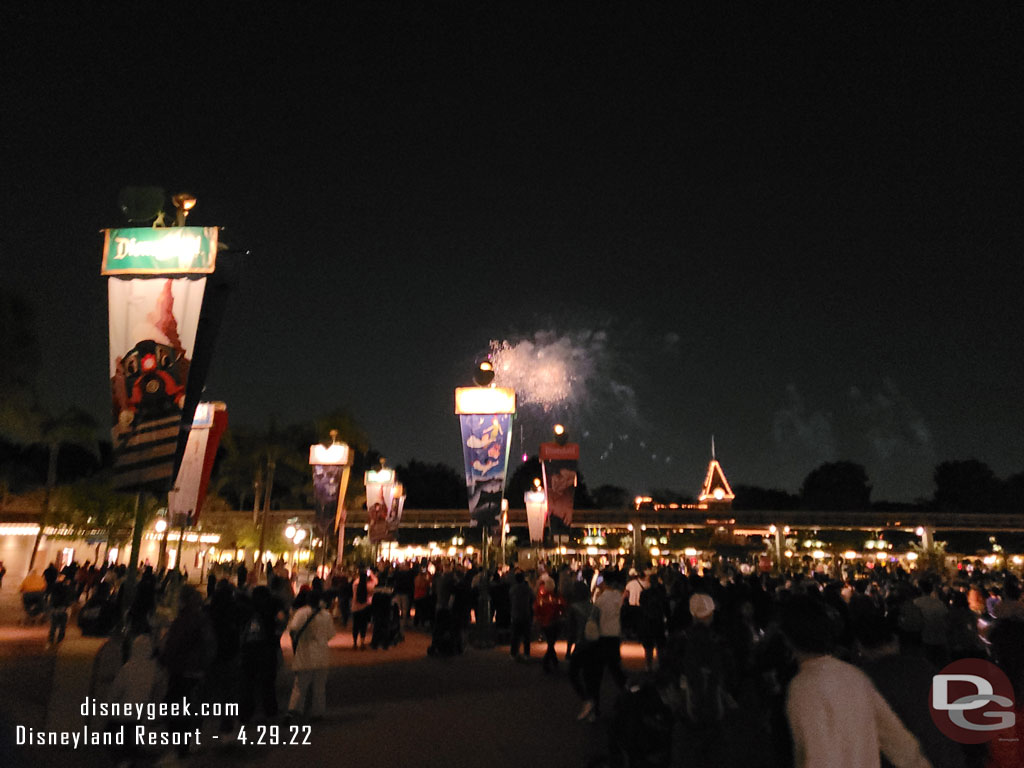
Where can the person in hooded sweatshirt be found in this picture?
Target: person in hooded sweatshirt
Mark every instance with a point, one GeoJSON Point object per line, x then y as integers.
{"type": "Point", "coordinates": [311, 628]}
{"type": "Point", "coordinates": [139, 681]}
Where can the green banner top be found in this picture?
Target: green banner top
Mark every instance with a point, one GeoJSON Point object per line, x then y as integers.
{"type": "Point", "coordinates": [159, 251]}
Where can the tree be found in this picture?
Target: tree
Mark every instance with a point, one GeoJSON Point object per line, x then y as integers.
{"type": "Point", "coordinates": [1012, 496]}
{"type": "Point", "coordinates": [839, 485]}
{"type": "Point", "coordinates": [19, 350]}
{"type": "Point", "coordinates": [752, 497]}
{"type": "Point", "coordinates": [432, 486]}
{"type": "Point", "coordinates": [611, 497]}
{"type": "Point", "coordinates": [73, 427]}
{"type": "Point", "coordinates": [521, 480]}
{"type": "Point", "coordinates": [91, 507]}
{"type": "Point", "coordinates": [668, 496]}
{"type": "Point", "coordinates": [965, 486]}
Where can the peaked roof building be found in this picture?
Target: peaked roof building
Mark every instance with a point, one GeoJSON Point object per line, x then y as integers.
{"type": "Point", "coordinates": [716, 491]}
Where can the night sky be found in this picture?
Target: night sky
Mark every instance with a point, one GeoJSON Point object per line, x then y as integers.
{"type": "Point", "coordinates": [794, 229]}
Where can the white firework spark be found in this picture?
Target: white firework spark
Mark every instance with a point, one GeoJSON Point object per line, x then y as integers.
{"type": "Point", "coordinates": [549, 370]}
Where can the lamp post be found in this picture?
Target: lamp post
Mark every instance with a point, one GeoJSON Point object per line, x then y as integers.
{"type": "Point", "coordinates": [331, 466]}
{"type": "Point", "coordinates": [296, 534]}
{"type": "Point", "coordinates": [161, 528]}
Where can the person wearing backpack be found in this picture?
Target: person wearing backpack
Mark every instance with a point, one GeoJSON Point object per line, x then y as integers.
{"type": "Point", "coordinates": [260, 647]}
{"type": "Point", "coordinates": [311, 628]}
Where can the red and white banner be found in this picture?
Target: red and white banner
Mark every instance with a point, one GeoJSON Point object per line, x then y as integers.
{"type": "Point", "coordinates": [558, 465]}
{"type": "Point", "coordinates": [153, 324]}
{"type": "Point", "coordinates": [185, 502]}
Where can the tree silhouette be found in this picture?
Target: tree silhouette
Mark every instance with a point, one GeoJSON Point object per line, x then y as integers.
{"type": "Point", "coordinates": [432, 486]}
{"type": "Point", "coordinates": [611, 497]}
{"type": "Point", "coordinates": [965, 486]}
{"type": "Point", "coordinates": [838, 485]}
{"type": "Point", "coordinates": [753, 497]}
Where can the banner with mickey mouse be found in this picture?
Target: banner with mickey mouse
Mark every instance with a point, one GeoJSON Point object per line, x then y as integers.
{"type": "Point", "coordinates": [157, 280]}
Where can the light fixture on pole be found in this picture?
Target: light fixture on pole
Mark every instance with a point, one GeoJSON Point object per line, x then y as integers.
{"type": "Point", "coordinates": [161, 528]}
{"type": "Point", "coordinates": [331, 467]}
{"type": "Point", "coordinates": [184, 202]}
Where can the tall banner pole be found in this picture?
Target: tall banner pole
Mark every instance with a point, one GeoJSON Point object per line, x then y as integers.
{"type": "Point", "coordinates": [341, 516]}
{"type": "Point", "coordinates": [385, 502]}
{"type": "Point", "coordinates": [485, 417]}
{"type": "Point", "coordinates": [559, 461]}
{"type": "Point", "coordinates": [133, 559]}
{"type": "Point", "coordinates": [331, 465]}
{"type": "Point", "coordinates": [156, 281]}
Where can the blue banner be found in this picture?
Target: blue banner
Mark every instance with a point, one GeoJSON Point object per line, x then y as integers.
{"type": "Point", "coordinates": [486, 441]}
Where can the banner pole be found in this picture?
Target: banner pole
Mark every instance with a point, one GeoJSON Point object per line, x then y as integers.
{"type": "Point", "coordinates": [133, 559]}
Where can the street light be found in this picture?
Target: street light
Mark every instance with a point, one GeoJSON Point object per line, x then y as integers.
{"type": "Point", "coordinates": [296, 534]}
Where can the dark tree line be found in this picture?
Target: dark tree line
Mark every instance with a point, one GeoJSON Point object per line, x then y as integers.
{"type": "Point", "coordinates": [965, 485]}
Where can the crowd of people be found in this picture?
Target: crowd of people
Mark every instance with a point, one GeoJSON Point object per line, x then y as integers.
{"type": "Point", "coordinates": [813, 668]}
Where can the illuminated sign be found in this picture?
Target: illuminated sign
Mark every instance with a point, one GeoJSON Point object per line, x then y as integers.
{"type": "Point", "coordinates": [159, 251]}
{"type": "Point", "coordinates": [484, 400]}
{"type": "Point", "coordinates": [335, 454]}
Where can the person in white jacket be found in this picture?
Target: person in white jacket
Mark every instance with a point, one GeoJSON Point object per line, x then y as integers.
{"type": "Point", "coordinates": [837, 717]}
{"type": "Point", "coordinates": [311, 628]}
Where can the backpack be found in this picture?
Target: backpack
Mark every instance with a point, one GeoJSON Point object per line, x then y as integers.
{"type": "Point", "coordinates": [592, 629]}
{"type": "Point", "coordinates": [296, 635]}
{"type": "Point", "coordinates": [252, 632]}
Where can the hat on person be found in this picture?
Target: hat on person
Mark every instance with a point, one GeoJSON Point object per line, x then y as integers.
{"type": "Point", "coordinates": [632, 571]}
{"type": "Point", "coordinates": [701, 606]}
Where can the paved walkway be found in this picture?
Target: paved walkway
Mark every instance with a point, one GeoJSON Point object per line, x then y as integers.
{"type": "Point", "coordinates": [385, 708]}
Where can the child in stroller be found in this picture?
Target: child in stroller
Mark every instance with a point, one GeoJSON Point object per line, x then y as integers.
{"type": "Point", "coordinates": [33, 598]}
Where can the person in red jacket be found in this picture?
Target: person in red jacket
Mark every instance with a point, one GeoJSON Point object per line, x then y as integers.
{"type": "Point", "coordinates": [548, 610]}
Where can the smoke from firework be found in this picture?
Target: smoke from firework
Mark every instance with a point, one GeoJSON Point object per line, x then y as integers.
{"type": "Point", "coordinates": [549, 371]}
{"type": "Point", "coordinates": [573, 378]}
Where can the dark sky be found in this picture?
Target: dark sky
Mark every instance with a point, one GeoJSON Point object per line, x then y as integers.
{"type": "Point", "coordinates": [796, 229]}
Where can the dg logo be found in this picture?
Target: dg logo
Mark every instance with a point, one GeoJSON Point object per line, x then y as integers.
{"type": "Point", "coordinates": [972, 701]}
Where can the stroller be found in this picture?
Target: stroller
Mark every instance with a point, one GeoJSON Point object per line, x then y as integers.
{"type": "Point", "coordinates": [35, 604]}
{"type": "Point", "coordinates": [640, 730]}
{"type": "Point", "coordinates": [445, 640]}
